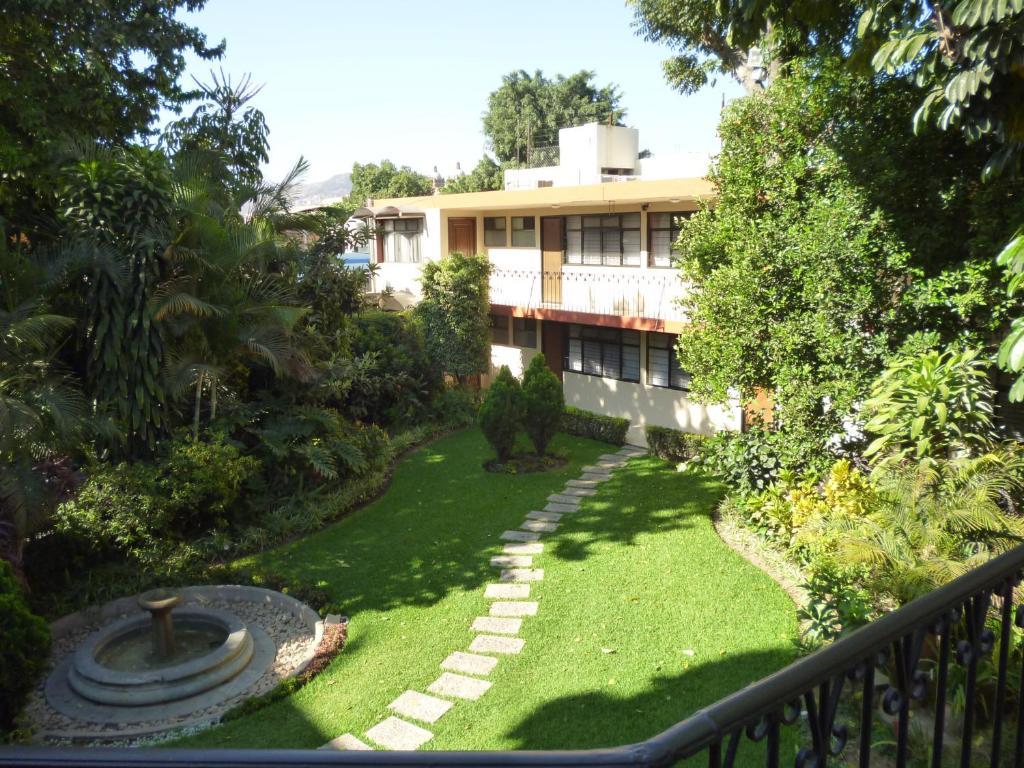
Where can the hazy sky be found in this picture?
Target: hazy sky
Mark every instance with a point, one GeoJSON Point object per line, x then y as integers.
{"type": "Point", "coordinates": [408, 80]}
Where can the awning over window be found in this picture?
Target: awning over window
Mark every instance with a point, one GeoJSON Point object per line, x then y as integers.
{"type": "Point", "coordinates": [388, 212]}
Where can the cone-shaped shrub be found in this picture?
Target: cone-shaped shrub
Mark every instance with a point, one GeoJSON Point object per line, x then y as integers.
{"type": "Point", "coordinates": [543, 404]}
{"type": "Point", "coordinates": [501, 413]}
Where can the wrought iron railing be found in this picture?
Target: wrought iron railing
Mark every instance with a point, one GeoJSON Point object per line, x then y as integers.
{"type": "Point", "coordinates": [826, 709]}
{"type": "Point", "coordinates": [623, 291]}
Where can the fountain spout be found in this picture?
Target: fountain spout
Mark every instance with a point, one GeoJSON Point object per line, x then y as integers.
{"type": "Point", "coordinates": [160, 603]}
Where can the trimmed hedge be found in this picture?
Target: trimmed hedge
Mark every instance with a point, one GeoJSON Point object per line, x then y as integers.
{"type": "Point", "coordinates": [607, 429]}
{"type": "Point", "coordinates": [23, 651]}
{"type": "Point", "coordinates": [671, 444]}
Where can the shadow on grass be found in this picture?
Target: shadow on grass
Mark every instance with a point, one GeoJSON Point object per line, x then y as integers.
{"type": "Point", "coordinates": [587, 721]}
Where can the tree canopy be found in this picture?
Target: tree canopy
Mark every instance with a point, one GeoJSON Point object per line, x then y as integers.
{"type": "Point", "coordinates": [485, 177]}
{"type": "Point", "coordinates": [528, 110]}
{"type": "Point", "coordinates": [370, 180]}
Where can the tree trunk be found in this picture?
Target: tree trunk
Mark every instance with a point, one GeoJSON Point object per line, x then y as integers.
{"type": "Point", "coordinates": [199, 402]}
{"type": "Point", "coordinates": [213, 398]}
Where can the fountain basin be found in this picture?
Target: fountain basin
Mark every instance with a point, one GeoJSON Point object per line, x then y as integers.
{"type": "Point", "coordinates": [132, 677]}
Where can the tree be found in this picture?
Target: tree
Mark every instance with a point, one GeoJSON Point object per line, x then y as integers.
{"type": "Point", "coordinates": [454, 314]}
{"type": "Point", "coordinates": [485, 177]}
{"type": "Point", "coordinates": [96, 71]}
{"type": "Point", "coordinates": [528, 110]}
{"type": "Point", "coordinates": [501, 413]}
{"type": "Point", "coordinates": [543, 403]}
{"type": "Point", "coordinates": [372, 181]}
{"type": "Point", "coordinates": [227, 127]}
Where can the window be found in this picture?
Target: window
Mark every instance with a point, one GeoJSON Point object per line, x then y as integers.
{"type": "Point", "coordinates": [524, 233]}
{"type": "Point", "coordinates": [524, 332]}
{"type": "Point", "coordinates": [495, 233]}
{"type": "Point", "coordinates": [662, 233]}
{"type": "Point", "coordinates": [611, 353]}
{"type": "Point", "coordinates": [499, 329]}
{"type": "Point", "coordinates": [402, 240]}
{"type": "Point", "coordinates": [611, 240]}
{"type": "Point", "coordinates": [662, 363]}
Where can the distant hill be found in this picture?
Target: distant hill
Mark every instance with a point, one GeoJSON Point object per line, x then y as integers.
{"type": "Point", "coordinates": [316, 193]}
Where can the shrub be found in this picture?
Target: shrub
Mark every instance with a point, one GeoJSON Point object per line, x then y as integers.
{"type": "Point", "coordinates": [749, 461]}
{"type": "Point", "coordinates": [455, 406]}
{"type": "Point", "coordinates": [543, 403]}
{"type": "Point", "coordinates": [24, 650]}
{"type": "Point", "coordinates": [673, 445]}
{"type": "Point", "coordinates": [929, 405]}
{"type": "Point", "coordinates": [501, 413]}
{"type": "Point", "coordinates": [607, 429]}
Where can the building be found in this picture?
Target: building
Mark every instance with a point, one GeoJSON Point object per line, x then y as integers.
{"type": "Point", "coordinates": [582, 272]}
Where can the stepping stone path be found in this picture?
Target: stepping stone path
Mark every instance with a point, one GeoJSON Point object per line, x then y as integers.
{"type": "Point", "coordinates": [462, 673]}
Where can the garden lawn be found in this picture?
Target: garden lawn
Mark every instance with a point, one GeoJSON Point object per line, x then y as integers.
{"type": "Point", "coordinates": [645, 614]}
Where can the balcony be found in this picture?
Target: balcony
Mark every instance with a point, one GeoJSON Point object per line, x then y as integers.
{"type": "Point", "coordinates": [617, 291]}
{"type": "Point", "coordinates": [940, 675]}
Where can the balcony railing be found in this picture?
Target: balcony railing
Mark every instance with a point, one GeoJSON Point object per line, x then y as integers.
{"type": "Point", "coordinates": [830, 704]}
{"type": "Point", "coordinates": [624, 292]}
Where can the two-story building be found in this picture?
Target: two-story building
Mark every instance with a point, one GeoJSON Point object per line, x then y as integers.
{"type": "Point", "coordinates": [582, 271]}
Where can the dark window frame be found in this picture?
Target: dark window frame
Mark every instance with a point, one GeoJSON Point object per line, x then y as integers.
{"type": "Point", "coordinates": [491, 318]}
{"type": "Point", "coordinates": [534, 331]}
{"type": "Point", "coordinates": [532, 228]}
{"type": "Point", "coordinates": [620, 345]}
{"type": "Point", "coordinates": [673, 230]}
{"type": "Point", "coordinates": [675, 371]}
{"type": "Point", "coordinates": [504, 231]}
{"type": "Point", "coordinates": [402, 227]}
{"type": "Point", "coordinates": [605, 231]}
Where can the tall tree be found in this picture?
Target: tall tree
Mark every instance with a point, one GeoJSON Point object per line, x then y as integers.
{"type": "Point", "coordinates": [485, 177]}
{"type": "Point", "coordinates": [73, 69]}
{"type": "Point", "coordinates": [527, 111]}
{"type": "Point", "coordinates": [387, 180]}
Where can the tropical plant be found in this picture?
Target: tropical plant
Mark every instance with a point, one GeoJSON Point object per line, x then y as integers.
{"type": "Point", "coordinates": [454, 314]}
{"type": "Point", "coordinates": [25, 651]}
{"type": "Point", "coordinates": [749, 461]}
{"type": "Point", "coordinates": [930, 405]}
{"type": "Point", "coordinates": [501, 413]}
{"type": "Point", "coordinates": [543, 403]}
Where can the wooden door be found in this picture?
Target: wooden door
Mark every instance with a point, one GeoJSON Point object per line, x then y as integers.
{"type": "Point", "coordinates": [552, 243]}
{"type": "Point", "coordinates": [552, 344]}
{"type": "Point", "coordinates": [462, 235]}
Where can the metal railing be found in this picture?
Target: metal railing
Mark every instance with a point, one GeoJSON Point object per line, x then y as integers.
{"type": "Point", "coordinates": [624, 292]}
{"type": "Point", "coordinates": [824, 708]}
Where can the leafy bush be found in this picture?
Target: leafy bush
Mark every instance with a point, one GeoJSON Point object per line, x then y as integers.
{"type": "Point", "coordinates": [749, 461]}
{"type": "Point", "coordinates": [24, 650]}
{"type": "Point", "coordinates": [607, 429]}
{"type": "Point", "coordinates": [928, 405]}
{"type": "Point", "coordinates": [455, 406]}
{"type": "Point", "coordinates": [144, 511]}
{"type": "Point", "coordinates": [672, 444]}
{"type": "Point", "coordinates": [501, 413]}
{"type": "Point", "coordinates": [543, 403]}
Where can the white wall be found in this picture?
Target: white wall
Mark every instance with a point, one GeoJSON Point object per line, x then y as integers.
{"type": "Point", "coordinates": [404, 279]}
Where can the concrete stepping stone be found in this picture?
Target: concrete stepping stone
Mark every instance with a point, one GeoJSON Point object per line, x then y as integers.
{"type": "Point", "coordinates": [469, 663]}
{"type": "Point", "coordinates": [547, 517]}
{"type": "Point", "coordinates": [498, 625]}
{"type": "Point", "coordinates": [518, 561]}
{"type": "Point", "coordinates": [561, 507]}
{"type": "Point", "coordinates": [539, 526]}
{"type": "Point", "coordinates": [532, 547]}
{"type": "Point", "coordinates": [572, 490]}
{"type": "Point", "coordinates": [603, 469]}
{"type": "Point", "coordinates": [569, 501]}
{"type": "Point", "coordinates": [632, 452]}
{"type": "Point", "coordinates": [522, 574]}
{"type": "Point", "coordinates": [520, 536]}
{"type": "Point", "coordinates": [595, 478]}
{"type": "Point", "coordinates": [459, 686]}
{"type": "Point", "coordinates": [513, 608]}
{"type": "Point", "coordinates": [614, 459]}
{"type": "Point", "coordinates": [495, 644]}
{"type": "Point", "coordinates": [582, 483]}
{"type": "Point", "coordinates": [507, 591]}
{"type": "Point", "coordinates": [397, 734]}
{"type": "Point", "coordinates": [419, 706]}
{"type": "Point", "coordinates": [348, 742]}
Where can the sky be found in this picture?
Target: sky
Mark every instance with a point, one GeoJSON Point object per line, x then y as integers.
{"type": "Point", "coordinates": [408, 80]}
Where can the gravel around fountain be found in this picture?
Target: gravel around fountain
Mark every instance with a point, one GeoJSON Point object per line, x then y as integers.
{"type": "Point", "coordinates": [293, 634]}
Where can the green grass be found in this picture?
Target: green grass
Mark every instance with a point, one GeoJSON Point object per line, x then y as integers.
{"type": "Point", "coordinates": [645, 614]}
